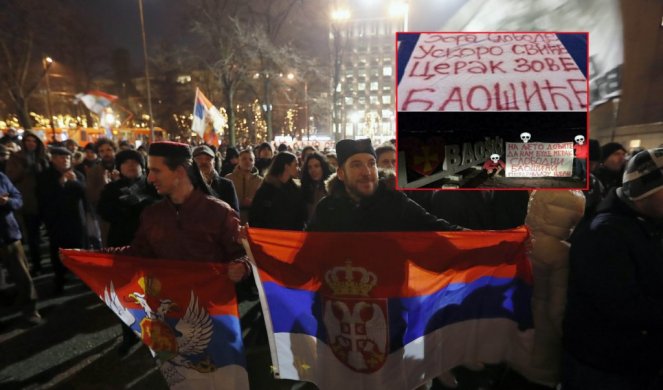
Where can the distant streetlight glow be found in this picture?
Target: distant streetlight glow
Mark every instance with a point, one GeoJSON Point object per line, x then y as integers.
{"type": "Point", "coordinates": [46, 64]}
{"type": "Point", "coordinates": [290, 76]}
{"type": "Point", "coordinates": [340, 15]}
{"type": "Point", "coordinates": [400, 9]}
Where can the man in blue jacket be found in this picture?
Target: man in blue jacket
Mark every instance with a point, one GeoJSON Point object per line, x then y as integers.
{"type": "Point", "coordinates": [11, 251]}
{"type": "Point", "coordinates": [613, 327]}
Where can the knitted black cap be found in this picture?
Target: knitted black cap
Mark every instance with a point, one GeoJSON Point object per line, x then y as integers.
{"type": "Point", "coordinates": [129, 154]}
{"type": "Point", "coordinates": [644, 174]}
{"type": "Point", "coordinates": [346, 148]}
{"type": "Point", "coordinates": [610, 148]}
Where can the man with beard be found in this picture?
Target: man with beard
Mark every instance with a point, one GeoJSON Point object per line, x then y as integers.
{"type": "Point", "coordinates": [221, 187]}
{"type": "Point", "coordinates": [97, 177]}
{"type": "Point", "coordinates": [357, 201]}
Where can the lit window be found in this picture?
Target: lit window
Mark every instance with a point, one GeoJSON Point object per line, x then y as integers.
{"type": "Point", "coordinates": [374, 85]}
{"type": "Point", "coordinates": [386, 71]}
{"type": "Point", "coordinates": [361, 86]}
{"type": "Point", "coordinates": [386, 99]}
{"type": "Point", "coordinates": [374, 99]}
{"type": "Point", "coordinates": [183, 79]}
{"type": "Point", "coordinates": [348, 100]}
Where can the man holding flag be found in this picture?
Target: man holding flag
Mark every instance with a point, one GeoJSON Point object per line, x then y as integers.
{"type": "Point", "coordinates": [186, 313]}
{"type": "Point", "coordinates": [188, 224]}
{"type": "Point", "coordinates": [357, 201]}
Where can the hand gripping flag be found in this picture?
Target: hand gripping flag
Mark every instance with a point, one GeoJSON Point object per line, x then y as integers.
{"type": "Point", "coordinates": [204, 114]}
{"type": "Point", "coordinates": [185, 312]}
{"type": "Point", "coordinates": [96, 101]}
{"type": "Point", "coordinates": [392, 310]}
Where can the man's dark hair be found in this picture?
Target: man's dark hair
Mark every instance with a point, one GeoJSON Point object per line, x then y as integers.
{"type": "Point", "coordinates": [104, 141]}
{"type": "Point", "coordinates": [172, 162]}
{"type": "Point", "coordinates": [384, 149]}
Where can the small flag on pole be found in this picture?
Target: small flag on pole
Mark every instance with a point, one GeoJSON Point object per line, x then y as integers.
{"type": "Point", "coordinates": [96, 101]}
{"type": "Point", "coordinates": [204, 113]}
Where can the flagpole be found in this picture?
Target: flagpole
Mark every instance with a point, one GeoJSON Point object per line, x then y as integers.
{"type": "Point", "coordinates": [147, 72]}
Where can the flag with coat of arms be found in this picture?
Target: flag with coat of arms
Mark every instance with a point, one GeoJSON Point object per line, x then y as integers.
{"type": "Point", "coordinates": [185, 312]}
{"type": "Point", "coordinates": [392, 310]}
{"type": "Point", "coordinates": [207, 119]}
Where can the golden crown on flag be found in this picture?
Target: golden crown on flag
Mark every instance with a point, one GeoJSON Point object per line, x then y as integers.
{"type": "Point", "coordinates": [349, 280]}
{"type": "Point", "coordinates": [151, 285]}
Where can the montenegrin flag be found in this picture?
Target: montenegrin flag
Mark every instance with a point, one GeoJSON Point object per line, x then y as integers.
{"type": "Point", "coordinates": [207, 120]}
{"type": "Point", "coordinates": [185, 312]}
{"type": "Point", "coordinates": [392, 310]}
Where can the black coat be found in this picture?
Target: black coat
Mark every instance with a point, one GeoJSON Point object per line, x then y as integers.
{"type": "Point", "coordinates": [482, 210]}
{"type": "Point", "coordinates": [63, 208]}
{"type": "Point", "coordinates": [614, 313]}
{"type": "Point", "coordinates": [224, 189]}
{"type": "Point", "coordinates": [120, 204]}
{"type": "Point", "coordinates": [386, 210]}
{"type": "Point", "coordinates": [278, 206]}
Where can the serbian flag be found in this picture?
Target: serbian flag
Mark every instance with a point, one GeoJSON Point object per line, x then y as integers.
{"type": "Point", "coordinates": [185, 312]}
{"type": "Point", "coordinates": [392, 310]}
{"type": "Point", "coordinates": [96, 101]}
{"type": "Point", "coordinates": [207, 120]}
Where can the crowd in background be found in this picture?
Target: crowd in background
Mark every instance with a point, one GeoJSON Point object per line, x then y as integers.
{"type": "Point", "coordinates": [92, 197]}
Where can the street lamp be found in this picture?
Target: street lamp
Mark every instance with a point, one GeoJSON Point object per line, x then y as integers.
{"type": "Point", "coordinates": [400, 9]}
{"type": "Point", "coordinates": [46, 63]}
{"type": "Point", "coordinates": [147, 72]}
{"type": "Point", "coordinates": [340, 14]}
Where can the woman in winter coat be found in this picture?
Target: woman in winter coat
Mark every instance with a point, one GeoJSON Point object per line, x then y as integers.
{"type": "Point", "coordinates": [278, 204]}
{"type": "Point", "coordinates": [551, 217]}
{"type": "Point", "coordinates": [316, 171]}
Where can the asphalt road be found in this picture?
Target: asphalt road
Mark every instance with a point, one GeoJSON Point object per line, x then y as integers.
{"type": "Point", "coordinates": [75, 347]}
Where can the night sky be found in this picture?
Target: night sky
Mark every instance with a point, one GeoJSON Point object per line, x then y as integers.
{"type": "Point", "coordinates": [120, 23]}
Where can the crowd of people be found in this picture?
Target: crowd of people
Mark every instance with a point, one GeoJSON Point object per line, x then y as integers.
{"type": "Point", "coordinates": [597, 258]}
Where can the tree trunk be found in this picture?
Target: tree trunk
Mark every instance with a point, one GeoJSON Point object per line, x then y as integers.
{"type": "Point", "coordinates": [230, 110]}
{"type": "Point", "coordinates": [22, 109]}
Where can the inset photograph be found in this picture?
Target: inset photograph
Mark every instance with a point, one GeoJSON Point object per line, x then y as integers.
{"type": "Point", "coordinates": [505, 71]}
{"type": "Point", "coordinates": [492, 150]}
